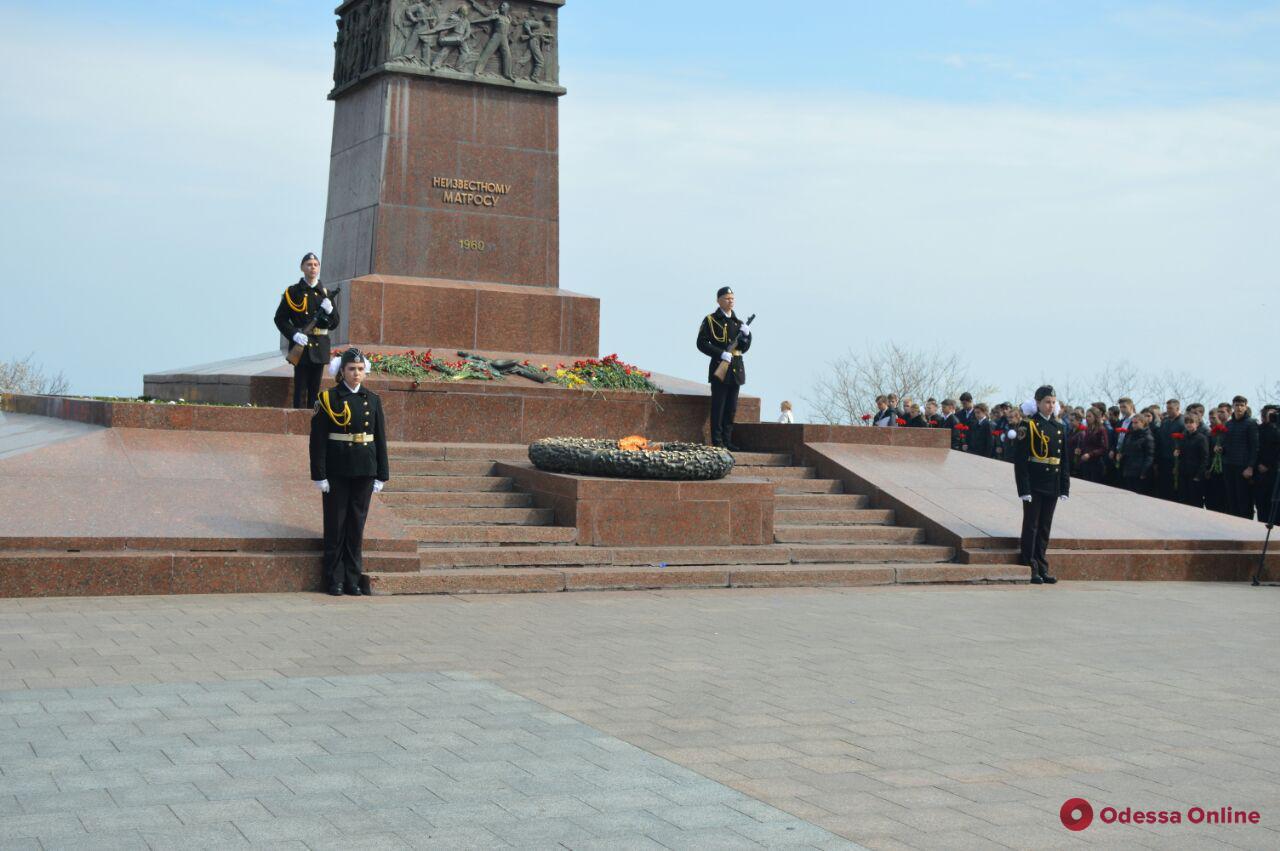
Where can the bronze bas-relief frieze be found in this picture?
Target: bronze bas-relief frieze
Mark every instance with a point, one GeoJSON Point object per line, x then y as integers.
{"type": "Point", "coordinates": [511, 43]}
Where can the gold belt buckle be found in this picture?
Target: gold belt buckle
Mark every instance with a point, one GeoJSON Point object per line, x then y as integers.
{"type": "Point", "coordinates": [320, 332]}
{"type": "Point", "coordinates": [1052, 462]}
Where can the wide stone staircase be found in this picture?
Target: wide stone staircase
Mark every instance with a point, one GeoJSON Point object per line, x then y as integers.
{"type": "Point", "coordinates": [477, 533]}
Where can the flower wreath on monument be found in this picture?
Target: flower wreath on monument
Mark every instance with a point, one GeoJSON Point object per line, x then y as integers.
{"type": "Point", "coordinates": [608, 373]}
{"type": "Point", "coordinates": [633, 457]}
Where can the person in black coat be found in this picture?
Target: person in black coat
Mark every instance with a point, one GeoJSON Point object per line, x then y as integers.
{"type": "Point", "coordinates": [1172, 423]}
{"type": "Point", "coordinates": [348, 465]}
{"type": "Point", "coordinates": [1192, 458]}
{"type": "Point", "coordinates": [1239, 455]}
{"type": "Point", "coordinates": [914, 417]}
{"type": "Point", "coordinates": [1137, 454]}
{"type": "Point", "coordinates": [716, 334]}
{"type": "Point", "coordinates": [981, 437]}
{"type": "Point", "coordinates": [301, 303]}
{"type": "Point", "coordinates": [1042, 473]}
{"type": "Point", "coordinates": [1268, 459]}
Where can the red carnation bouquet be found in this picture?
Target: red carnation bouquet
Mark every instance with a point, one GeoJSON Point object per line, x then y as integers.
{"type": "Point", "coordinates": [1216, 466]}
{"type": "Point", "coordinates": [901, 421]}
{"type": "Point", "coordinates": [866, 418]}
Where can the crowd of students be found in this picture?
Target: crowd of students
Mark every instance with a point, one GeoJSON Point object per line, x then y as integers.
{"type": "Point", "coordinates": [1219, 458]}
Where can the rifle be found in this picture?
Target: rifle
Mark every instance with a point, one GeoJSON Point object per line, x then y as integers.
{"type": "Point", "coordinates": [723, 369]}
{"type": "Point", "coordinates": [295, 351]}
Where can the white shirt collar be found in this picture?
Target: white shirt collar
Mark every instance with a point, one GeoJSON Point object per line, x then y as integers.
{"type": "Point", "coordinates": [355, 389]}
{"type": "Point", "coordinates": [310, 283]}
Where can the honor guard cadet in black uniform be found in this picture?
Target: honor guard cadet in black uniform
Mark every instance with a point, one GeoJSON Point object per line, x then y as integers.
{"type": "Point", "coordinates": [301, 303]}
{"type": "Point", "coordinates": [348, 465]}
{"type": "Point", "coordinates": [715, 338]}
{"type": "Point", "coordinates": [1042, 470]}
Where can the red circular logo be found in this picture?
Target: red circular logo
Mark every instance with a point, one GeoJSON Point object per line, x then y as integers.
{"type": "Point", "coordinates": [1076, 814]}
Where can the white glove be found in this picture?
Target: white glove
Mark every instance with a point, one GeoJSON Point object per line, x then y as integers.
{"type": "Point", "coordinates": [1064, 496]}
{"type": "Point", "coordinates": [726, 357]}
{"type": "Point", "coordinates": [745, 330]}
{"type": "Point", "coordinates": [1026, 498]}
{"type": "Point", "coordinates": [378, 486]}
{"type": "Point", "coordinates": [322, 485]}
{"type": "Point", "coordinates": [300, 338]}
{"type": "Point", "coordinates": [326, 306]}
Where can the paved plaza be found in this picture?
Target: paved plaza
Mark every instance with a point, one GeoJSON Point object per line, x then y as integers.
{"type": "Point", "coordinates": [937, 717]}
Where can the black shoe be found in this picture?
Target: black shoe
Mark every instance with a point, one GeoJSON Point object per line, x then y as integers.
{"type": "Point", "coordinates": [1047, 579]}
{"type": "Point", "coordinates": [733, 447]}
{"type": "Point", "coordinates": [351, 590]}
{"type": "Point", "coordinates": [335, 590]}
{"type": "Point", "coordinates": [1036, 580]}
{"type": "Point", "coordinates": [366, 591]}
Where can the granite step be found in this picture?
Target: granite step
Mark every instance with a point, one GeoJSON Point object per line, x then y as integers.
{"type": "Point", "coordinates": [417, 484]}
{"type": "Point", "coordinates": [834, 516]}
{"type": "Point", "coordinates": [560, 556]}
{"type": "Point", "coordinates": [433, 467]}
{"type": "Point", "coordinates": [532, 580]}
{"type": "Point", "coordinates": [492, 534]}
{"type": "Point", "coordinates": [856, 534]}
{"type": "Point", "coordinates": [774, 474]}
{"type": "Point", "coordinates": [817, 486]}
{"type": "Point", "coordinates": [459, 451]}
{"type": "Point", "coordinates": [761, 459]}
{"type": "Point", "coordinates": [107, 572]}
{"type": "Point", "coordinates": [454, 516]}
{"type": "Point", "coordinates": [456, 499]}
{"type": "Point", "coordinates": [829, 501]}
{"type": "Point", "coordinates": [869, 553]}
{"type": "Point", "coordinates": [514, 556]}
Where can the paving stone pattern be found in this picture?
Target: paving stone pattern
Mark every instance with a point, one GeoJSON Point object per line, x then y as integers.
{"type": "Point", "coordinates": [398, 760]}
{"type": "Point", "coordinates": [944, 717]}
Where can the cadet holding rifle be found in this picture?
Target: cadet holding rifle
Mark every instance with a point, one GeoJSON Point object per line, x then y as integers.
{"type": "Point", "coordinates": [724, 338]}
{"type": "Point", "coordinates": [304, 318]}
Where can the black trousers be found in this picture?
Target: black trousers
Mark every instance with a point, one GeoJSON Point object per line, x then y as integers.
{"type": "Point", "coordinates": [306, 383]}
{"type": "Point", "coordinates": [346, 506]}
{"type": "Point", "coordinates": [1239, 496]}
{"type": "Point", "coordinates": [1134, 483]}
{"type": "Point", "coordinates": [724, 406]}
{"type": "Point", "coordinates": [1191, 492]}
{"type": "Point", "coordinates": [1037, 522]}
{"type": "Point", "coordinates": [1164, 479]}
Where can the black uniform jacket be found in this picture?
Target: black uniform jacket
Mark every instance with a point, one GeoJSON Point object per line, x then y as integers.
{"type": "Point", "coordinates": [298, 306]}
{"type": "Point", "coordinates": [359, 413]}
{"type": "Point", "coordinates": [982, 440]}
{"type": "Point", "coordinates": [1269, 446]}
{"type": "Point", "coordinates": [1137, 453]}
{"type": "Point", "coordinates": [1240, 443]}
{"type": "Point", "coordinates": [1193, 463]}
{"type": "Point", "coordinates": [714, 336]}
{"type": "Point", "coordinates": [1047, 469]}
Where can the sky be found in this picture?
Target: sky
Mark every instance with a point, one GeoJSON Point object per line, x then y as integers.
{"type": "Point", "coordinates": [1044, 187]}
